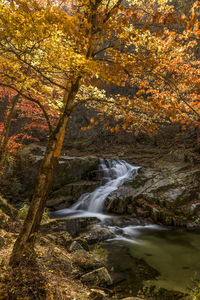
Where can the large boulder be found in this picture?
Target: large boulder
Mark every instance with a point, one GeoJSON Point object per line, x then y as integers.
{"type": "Point", "coordinates": [74, 176]}
{"type": "Point", "coordinates": [167, 195]}
{"type": "Point", "coordinates": [73, 169]}
{"type": "Point", "coordinates": [68, 194]}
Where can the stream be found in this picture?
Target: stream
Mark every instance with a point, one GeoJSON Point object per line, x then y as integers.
{"type": "Point", "coordinates": [172, 253]}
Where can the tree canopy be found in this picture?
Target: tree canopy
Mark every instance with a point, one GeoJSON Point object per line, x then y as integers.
{"type": "Point", "coordinates": [46, 45]}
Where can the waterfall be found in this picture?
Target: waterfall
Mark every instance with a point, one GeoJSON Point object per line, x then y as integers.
{"type": "Point", "coordinates": [114, 173]}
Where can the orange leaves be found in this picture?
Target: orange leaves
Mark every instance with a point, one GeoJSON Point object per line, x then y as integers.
{"type": "Point", "coordinates": [196, 29]}
{"type": "Point", "coordinates": [92, 120]}
{"type": "Point", "coordinates": [117, 128]}
{"type": "Point", "coordinates": [61, 45]}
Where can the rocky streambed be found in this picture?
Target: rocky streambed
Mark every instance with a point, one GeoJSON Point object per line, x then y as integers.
{"type": "Point", "coordinates": [165, 193]}
{"type": "Point", "coordinates": [168, 195]}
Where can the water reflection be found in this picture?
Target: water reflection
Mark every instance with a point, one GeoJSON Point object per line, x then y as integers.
{"type": "Point", "coordinates": [173, 253]}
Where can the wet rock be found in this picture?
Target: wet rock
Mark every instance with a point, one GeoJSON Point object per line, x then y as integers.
{"type": "Point", "coordinates": [76, 226]}
{"type": "Point", "coordinates": [96, 234]}
{"type": "Point", "coordinates": [73, 169]}
{"type": "Point", "coordinates": [123, 221]}
{"type": "Point", "coordinates": [194, 208]}
{"type": "Point", "coordinates": [68, 194]}
{"type": "Point", "coordinates": [99, 277]}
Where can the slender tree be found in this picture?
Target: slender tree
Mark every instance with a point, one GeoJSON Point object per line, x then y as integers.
{"type": "Point", "coordinates": [72, 48]}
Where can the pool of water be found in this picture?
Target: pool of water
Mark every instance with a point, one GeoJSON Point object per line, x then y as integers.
{"type": "Point", "coordinates": [175, 254]}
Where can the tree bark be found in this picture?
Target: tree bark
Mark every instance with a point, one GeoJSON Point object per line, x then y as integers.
{"type": "Point", "coordinates": [24, 245]}
{"type": "Point", "coordinates": [5, 134]}
{"type": "Point", "coordinates": [26, 239]}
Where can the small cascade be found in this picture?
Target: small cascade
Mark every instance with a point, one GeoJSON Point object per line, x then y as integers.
{"type": "Point", "coordinates": [114, 173]}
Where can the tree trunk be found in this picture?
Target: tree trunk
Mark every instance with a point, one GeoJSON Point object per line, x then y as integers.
{"type": "Point", "coordinates": [26, 239]}
{"type": "Point", "coordinates": [24, 245]}
{"type": "Point", "coordinates": [5, 133]}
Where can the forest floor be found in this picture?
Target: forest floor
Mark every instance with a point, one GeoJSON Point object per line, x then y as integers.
{"type": "Point", "coordinates": [45, 278]}
{"type": "Point", "coordinates": [54, 272]}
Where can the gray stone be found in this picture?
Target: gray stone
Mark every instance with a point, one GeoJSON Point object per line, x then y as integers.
{"type": "Point", "coordinates": [54, 202]}
{"type": "Point", "coordinates": [70, 170]}
{"type": "Point", "coordinates": [97, 233]}
{"type": "Point", "coordinates": [160, 194]}
{"type": "Point", "coordinates": [68, 194]}
{"type": "Point", "coordinates": [75, 246]}
{"type": "Point", "coordinates": [73, 169]}
{"type": "Point", "coordinates": [98, 277]}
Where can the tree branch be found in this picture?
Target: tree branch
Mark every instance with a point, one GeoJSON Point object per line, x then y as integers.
{"type": "Point", "coordinates": [32, 100]}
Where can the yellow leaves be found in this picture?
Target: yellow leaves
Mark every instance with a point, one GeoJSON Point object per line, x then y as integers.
{"type": "Point", "coordinates": [196, 29]}
{"type": "Point", "coordinates": [12, 5]}
{"type": "Point", "coordinates": [54, 42]}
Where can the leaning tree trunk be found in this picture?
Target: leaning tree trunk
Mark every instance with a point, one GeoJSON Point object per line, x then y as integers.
{"type": "Point", "coordinates": [26, 239]}
{"type": "Point", "coordinates": [24, 245]}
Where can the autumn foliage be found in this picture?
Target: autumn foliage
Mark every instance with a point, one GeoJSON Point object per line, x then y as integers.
{"type": "Point", "coordinates": [144, 45]}
{"type": "Point", "coordinates": [59, 55]}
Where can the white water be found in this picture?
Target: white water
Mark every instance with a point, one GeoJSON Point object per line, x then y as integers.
{"type": "Point", "coordinates": [114, 174]}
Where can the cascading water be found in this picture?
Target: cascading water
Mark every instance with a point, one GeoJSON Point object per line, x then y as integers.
{"type": "Point", "coordinates": [154, 244]}
{"type": "Point", "coordinates": [114, 174]}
